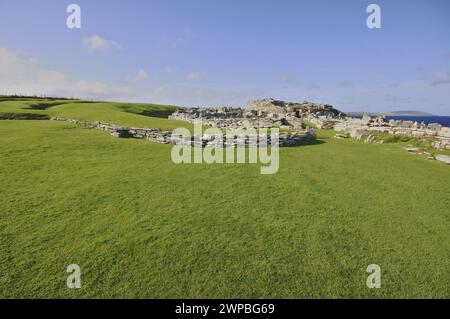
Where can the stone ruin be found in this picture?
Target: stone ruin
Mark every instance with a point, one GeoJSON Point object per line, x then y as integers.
{"type": "Point", "coordinates": [266, 113]}
{"type": "Point", "coordinates": [270, 107]}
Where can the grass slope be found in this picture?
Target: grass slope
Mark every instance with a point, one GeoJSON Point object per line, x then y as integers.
{"type": "Point", "coordinates": [126, 114]}
{"type": "Point", "coordinates": [141, 226]}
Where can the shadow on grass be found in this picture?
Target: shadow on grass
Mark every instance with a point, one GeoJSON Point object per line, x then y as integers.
{"type": "Point", "coordinates": [23, 116]}
{"type": "Point", "coordinates": [44, 105]}
{"type": "Point", "coordinates": [164, 114]}
{"type": "Point", "coordinates": [311, 142]}
{"type": "Point", "coordinates": [31, 97]}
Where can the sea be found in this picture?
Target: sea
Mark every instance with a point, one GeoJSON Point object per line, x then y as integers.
{"type": "Point", "coordinates": [443, 120]}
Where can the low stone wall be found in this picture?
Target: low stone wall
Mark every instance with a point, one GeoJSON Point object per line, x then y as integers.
{"type": "Point", "coordinates": [207, 140]}
{"type": "Point", "coordinates": [148, 134]}
{"type": "Point", "coordinates": [282, 139]}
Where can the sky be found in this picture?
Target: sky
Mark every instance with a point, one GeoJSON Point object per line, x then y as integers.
{"type": "Point", "coordinates": [226, 52]}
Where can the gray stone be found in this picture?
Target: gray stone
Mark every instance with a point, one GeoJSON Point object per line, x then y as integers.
{"type": "Point", "coordinates": [443, 158]}
{"type": "Point", "coordinates": [413, 149]}
{"type": "Point", "coordinates": [370, 139]}
{"type": "Point", "coordinates": [366, 118]}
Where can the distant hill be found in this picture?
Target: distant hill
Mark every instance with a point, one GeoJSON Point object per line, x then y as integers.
{"type": "Point", "coordinates": [406, 113]}
{"type": "Point", "coordinates": [360, 114]}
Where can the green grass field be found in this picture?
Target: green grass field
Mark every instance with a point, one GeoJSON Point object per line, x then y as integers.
{"type": "Point", "coordinates": [140, 226]}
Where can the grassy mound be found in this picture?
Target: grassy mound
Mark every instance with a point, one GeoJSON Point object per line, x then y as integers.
{"type": "Point", "coordinates": [125, 114]}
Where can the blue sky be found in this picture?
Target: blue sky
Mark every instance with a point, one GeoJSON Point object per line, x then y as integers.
{"type": "Point", "coordinates": [209, 53]}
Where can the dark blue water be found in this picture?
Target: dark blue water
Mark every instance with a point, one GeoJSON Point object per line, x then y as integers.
{"type": "Point", "coordinates": [443, 120]}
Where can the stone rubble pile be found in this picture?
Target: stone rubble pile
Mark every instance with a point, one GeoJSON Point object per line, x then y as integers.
{"type": "Point", "coordinates": [266, 107]}
{"type": "Point", "coordinates": [233, 118]}
{"type": "Point", "coordinates": [418, 150]}
{"type": "Point", "coordinates": [265, 113]}
{"type": "Point", "coordinates": [357, 128]}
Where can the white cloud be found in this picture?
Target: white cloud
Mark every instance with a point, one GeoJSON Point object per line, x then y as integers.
{"type": "Point", "coordinates": [141, 75]}
{"type": "Point", "coordinates": [97, 43]}
{"type": "Point", "coordinates": [195, 76]}
{"type": "Point", "coordinates": [187, 95]}
{"type": "Point", "coordinates": [24, 76]}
